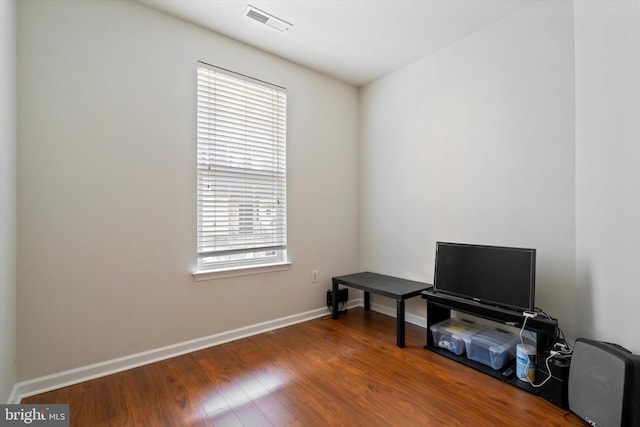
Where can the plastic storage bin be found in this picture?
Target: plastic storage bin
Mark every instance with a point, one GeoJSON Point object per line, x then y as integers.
{"type": "Point", "coordinates": [491, 347]}
{"type": "Point", "coordinates": [449, 334]}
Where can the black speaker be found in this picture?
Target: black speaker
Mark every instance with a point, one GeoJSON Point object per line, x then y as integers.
{"type": "Point", "coordinates": [604, 384]}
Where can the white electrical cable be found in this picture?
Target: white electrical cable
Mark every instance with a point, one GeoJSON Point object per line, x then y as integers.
{"type": "Point", "coordinates": [567, 351]}
{"type": "Point", "coordinates": [529, 315]}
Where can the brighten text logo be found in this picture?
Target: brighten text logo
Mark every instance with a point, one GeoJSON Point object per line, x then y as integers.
{"type": "Point", "coordinates": [27, 416]}
{"type": "Point", "coordinates": [36, 415]}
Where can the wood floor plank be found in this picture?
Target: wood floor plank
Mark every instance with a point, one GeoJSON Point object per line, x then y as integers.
{"type": "Point", "coordinates": [324, 372]}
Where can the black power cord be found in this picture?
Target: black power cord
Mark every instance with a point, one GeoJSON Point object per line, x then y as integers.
{"type": "Point", "coordinates": [342, 310]}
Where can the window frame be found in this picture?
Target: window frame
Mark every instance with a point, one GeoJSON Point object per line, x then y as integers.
{"type": "Point", "coordinates": [246, 229]}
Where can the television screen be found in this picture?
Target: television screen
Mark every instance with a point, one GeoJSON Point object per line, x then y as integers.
{"type": "Point", "coordinates": [492, 275]}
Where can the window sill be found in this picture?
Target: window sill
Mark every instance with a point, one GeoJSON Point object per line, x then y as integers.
{"type": "Point", "coordinates": [246, 270]}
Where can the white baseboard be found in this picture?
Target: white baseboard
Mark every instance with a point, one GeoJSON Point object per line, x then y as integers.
{"type": "Point", "coordinates": [84, 373]}
{"type": "Point", "coordinates": [408, 317]}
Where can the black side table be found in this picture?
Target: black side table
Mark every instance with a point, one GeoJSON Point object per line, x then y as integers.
{"type": "Point", "coordinates": [388, 286]}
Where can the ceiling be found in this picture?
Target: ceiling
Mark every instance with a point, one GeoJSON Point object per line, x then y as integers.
{"type": "Point", "coordinates": [356, 41]}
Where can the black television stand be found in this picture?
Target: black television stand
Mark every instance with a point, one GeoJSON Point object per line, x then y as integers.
{"type": "Point", "coordinates": [439, 308]}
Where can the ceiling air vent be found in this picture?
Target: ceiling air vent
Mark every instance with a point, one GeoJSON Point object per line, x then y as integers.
{"type": "Point", "coordinates": [265, 18]}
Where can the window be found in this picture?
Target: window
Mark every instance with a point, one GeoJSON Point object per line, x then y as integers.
{"type": "Point", "coordinates": [241, 186]}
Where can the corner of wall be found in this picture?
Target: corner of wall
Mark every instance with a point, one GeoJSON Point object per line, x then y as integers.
{"type": "Point", "coordinates": [7, 198]}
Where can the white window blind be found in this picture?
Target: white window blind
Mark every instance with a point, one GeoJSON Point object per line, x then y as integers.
{"type": "Point", "coordinates": [241, 185]}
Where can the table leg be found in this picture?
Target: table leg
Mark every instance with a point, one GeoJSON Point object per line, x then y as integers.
{"type": "Point", "coordinates": [400, 322]}
{"type": "Point", "coordinates": [367, 301]}
{"type": "Point", "coordinates": [334, 300]}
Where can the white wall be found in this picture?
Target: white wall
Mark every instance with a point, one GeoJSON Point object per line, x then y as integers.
{"type": "Point", "coordinates": [479, 142]}
{"type": "Point", "coordinates": [7, 198]}
{"type": "Point", "coordinates": [607, 35]}
{"type": "Point", "coordinates": [475, 144]}
{"type": "Point", "coordinates": [106, 185]}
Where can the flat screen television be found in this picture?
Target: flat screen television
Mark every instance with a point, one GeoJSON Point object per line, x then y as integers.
{"type": "Point", "coordinates": [492, 275]}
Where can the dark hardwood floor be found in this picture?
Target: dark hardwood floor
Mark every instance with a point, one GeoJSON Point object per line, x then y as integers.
{"type": "Point", "coordinates": [324, 372]}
